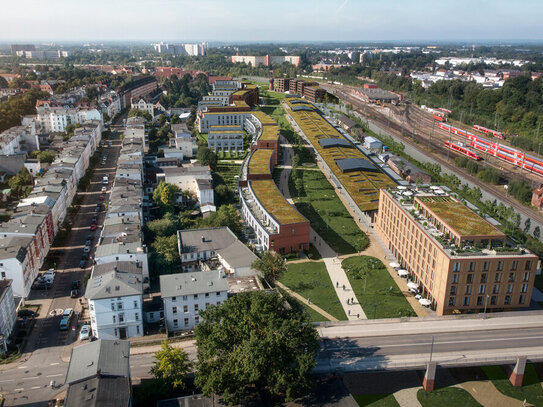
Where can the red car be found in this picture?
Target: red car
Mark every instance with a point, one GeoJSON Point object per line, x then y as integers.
{"type": "Point", "coordinates": [93, 227]}
{"type": "Point", "coordinates": [101, 197]}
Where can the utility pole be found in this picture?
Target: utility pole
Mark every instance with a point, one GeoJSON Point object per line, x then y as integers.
{"type": "Point", "coordinates": [432, 349]}
{"type": "Point", "coordinates": [449, 149]}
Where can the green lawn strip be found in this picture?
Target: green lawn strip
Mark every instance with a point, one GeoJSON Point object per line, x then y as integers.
{"type": "Point", "coordinates": [531, 389]}
{"type": "Point", "coordinates": [446, 397]}
{"type": "Point", "coordinates": [319, 203]}
{"type": "Point", "coordinates": [311, 280]}
{"type": "Point", "coordinates": [313, 315]}
{"type": "Point", "coordinates": [376, 400]}
{"type": "Point", "coordinates": [382, 297]}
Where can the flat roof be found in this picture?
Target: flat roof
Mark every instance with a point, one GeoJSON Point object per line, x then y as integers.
{"type": "Point", "coordinates": [355, 164]}
{"type": "Point", "coordinates": [275, 203]}
{"type": "Point", "coordinates": [334, 142]}
{"type": "Point", "coordinates": [177, 285]}
{"type": "Point", "coordinates": [259, 162]}
{"type": "Point", "coordinates": [263, 117]}
{"type": "Point", "coordinates": [458, 216]}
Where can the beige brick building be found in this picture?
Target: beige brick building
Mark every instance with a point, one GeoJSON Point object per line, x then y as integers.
{"type": "Point", "coordinates": [460, 261]}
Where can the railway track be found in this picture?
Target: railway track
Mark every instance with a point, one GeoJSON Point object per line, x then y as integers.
{"type": "Point", "coordinates": [433, 145]}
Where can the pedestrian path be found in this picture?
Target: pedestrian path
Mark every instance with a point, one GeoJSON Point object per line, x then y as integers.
{"type": "Point", "coordinates": [408, 397]}
{"type": "Point", "coordinates": [341, 284]}
{"type": "Point", "coordinates": [486, 394]}
{"type": "Point", "coordinates": [304, 300]}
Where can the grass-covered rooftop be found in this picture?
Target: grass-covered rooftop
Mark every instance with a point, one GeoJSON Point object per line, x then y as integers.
{"type": "Point", "coordinates": [259, 163]}
{"type": "Point", "coordinates": [274, 203]}
{"type": "Point", "coordinates": [458, 216]}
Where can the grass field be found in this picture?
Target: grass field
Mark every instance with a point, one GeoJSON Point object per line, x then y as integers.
{"type": "Point", "coordinates": [531, 389]}
{"type": "Point", "coordinates": [319, 203]}
{"type": "Point", "coordinates": [446, 397]}
{"type": "Point", "coordinates": [378, 293]}
{"type": "Point", "coordinates": [311, 280]}
{"type": "Point", "coordinates": [376, 400]}
{"type": "Point", "coordinates": [229, 173]}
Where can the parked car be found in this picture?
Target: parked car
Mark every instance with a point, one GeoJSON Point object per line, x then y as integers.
{"type": "Point", "coordinates": [86, 249]}
{"type": "Point", "coordinates": [76, 284]}
{"type": "Point", "coordinates": [88, 242]}
{"type": "Point", "coordinates": [85, 332]}
{"type": "Point", "coordinates": [82, 263]}
{"type": "Point", "coordinates": [93, 226]}
{"type": "Point", "coordinates": [74, 293]}
{"type": "Point", "coordinates": [64, 322]}
{"type": "Point", "coordinates": [101, 197]}
{"type": "Point", "coordinates": [104, 189]}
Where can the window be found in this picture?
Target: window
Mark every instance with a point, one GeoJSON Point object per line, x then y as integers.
{"type": "Point", "coordinates": [507, 299]}
{"type": "Point", "coordinates": [468, 290]}
{"type": "Point", "coordinates": [186, 321]}
{"type": "Point", "coordinates": [453, 290]}
{"type": "Point", "coordinates": [528, 265]}
{"type": "Point", "coordinates": [497, 277]}
{"type": "Point", "coordinates": [119, 305]}
{"type": "Point", "coordinates": [207, 304]}
{"type": "Point", "coordinates": [114, 319]}
{"type": "Point", "coordinates": [480, 300]}
{"type": "Point", "coordinates": [511, 277]}
{"type": "Point", "coordinates": [499, 267]}
{"type": "Point", "coordinates": [466, 301]}
{"type": "Point", "coordinates": [524, 288]}
{"type": "Point", "coordinates": [138, 329]}
{"type": "Point", "coordinates": [174, 298]}
{"type": "Point", "coordinates": [456, 266]}
{"type": "Point", "coordinates": [121, 318]}
{"type": "Point", "coordinates": [3, 275]}
{"type": "Point", "coordinates": [175, 322]}
{"type": "Point", "coordinates": [493, 300]}
{"type": "Point", "coordinates": [521, 299]}
{"type": "Point", "coordinates": [455, 279]}
{"type": "Point", "coordinates": [509, 288]}
{"type": "Point", "coordinates": [469, 279]}
{"type": "Point", "coordinates": [218, 303]}
{"type": "Point", "coordinates": [485, 266]}
{"type": "Point", "coordinates": [174, 310]}
{"type": "Point", "coordinates": [135, 304]}
{"type": "Point", "coordinates": [196, 319]}
{"type": "Point", "coordinates": [496, 289]}
{"type": "Point", "coordinates": [482, 289]}
{"type": "Point", "coordinates": [195, 307]}
{"type": "Point", "coordinates": [91, 306]}
{"type": "Point", "coordinates": [184, 298]}
{"type": "Point", "coordinates": [483, 277]}
{"type": "Point", "coordinates": [195, 296]}
{"type": "Point", "coordinates": [115, 332]}
{"type": "Point", "coordinates": [471, 266]}
{"type": "Point", "coordinates": [207, 295]}
{"type": "Point", "coordinates": [452, 301]}
{"type": "Point", "coordinates": [526, 276]}
{"type": "Point", "coordinates": [514, 265]}
{"type": "Point", "coordinates": [185, 308]}
{"type": "Point", "coordinates": [137, 316]}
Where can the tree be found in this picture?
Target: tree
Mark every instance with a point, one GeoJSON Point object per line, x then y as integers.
{"type": "Point", "coordinates": [166, 246]}
{"type": "Point", "coordinates": [172, 366]}
{"type": "Point", "coordinates": [271, 265]}
{"type": "Point", "coordinates": [537, 232]}
{"type": "Point", "coordinates": [223, 194]}
{"type": "Point", "coordinates": [299, 184]}
{"type": "Point", "coordinates": [166, 226]}
{"type": "Point", "coordinates": [225, 216]}
{"type": "Point", "coordinates": [165, 195]}
{"type": "Point", "coordinates": [46, 156]}
{"type": "Point", "coordinates": [527, 224]}
{"type": "Point", "coordinates": [20, 181]}
{"type": "Point", "coordinates": [255, 340]}
{"type": "Point", "coordinates": [207, 157]}
{"type": "Point", "coordinates": [134, 112]}
{"type": "Point", "coordinates": [3, 83]}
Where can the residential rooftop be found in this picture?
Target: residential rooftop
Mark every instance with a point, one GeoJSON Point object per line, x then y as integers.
{"type": "Point", "coordinates": [275, 203]}
{"type": "Point", "coordinates": [177, 285]}
{"type": "Point", "coordinates": [259, 162]}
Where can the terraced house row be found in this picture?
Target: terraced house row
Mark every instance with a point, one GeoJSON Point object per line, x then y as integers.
{"type": "Point", "coordinates": [360, 177]}
{"type": "Point", "coordinates": [25, 240]}
{"type": "Point", "coordinates": [278, 225]}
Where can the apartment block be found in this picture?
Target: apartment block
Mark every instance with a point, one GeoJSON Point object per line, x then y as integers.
{"type": "Point", "coordinates": [461, 262]}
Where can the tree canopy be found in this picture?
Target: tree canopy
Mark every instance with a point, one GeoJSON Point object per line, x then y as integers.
{"type": "Point", "coordinates": [255, 339]}
{"type": "Point", "coordinates": [166, 247]}
{"type": "Point", "coordinates": [172, 365]}
{"type": "Point", "coordinates": [20, 182]}
{"type": "Point", "coordinates": [165, 195]}
{"type": "Point", "coordinates": [166, 226]}
{"type": "Point", "coordinates": [207, 157]}
{"type": "Point", "coordinates": [134, 112]}
{"type": "Point", "coordinates": [226, 215]}
{"type": "Point", "coordinates": [271, 265]}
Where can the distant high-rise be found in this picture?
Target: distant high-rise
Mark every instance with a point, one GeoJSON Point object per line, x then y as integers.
{"type": "Point", "coordinates": [181, 49]}
{"type": "Point", "coordinates": [22, 47]}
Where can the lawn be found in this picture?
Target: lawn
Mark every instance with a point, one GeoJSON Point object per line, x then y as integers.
{"type": "Point", "coordinates": [311, 280]}
{"type": "Point", "coordinates": [376, 400]}
{"type": "Point", "coordinates": [531, 389]}
{"type": "Point", "coordinates": [376, 290]}
{"type": "Point", "coordinates": [446, 397]}
{"type": "Point", "coordinates": [319, 203]}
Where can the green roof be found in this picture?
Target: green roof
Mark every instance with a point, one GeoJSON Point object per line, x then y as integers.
{"type": "Point", "coordinates": [259, 163]}
{"type": "Point", "coordinates": [458, 216]}
{"type": "Point", "coordinates": [274, 203]}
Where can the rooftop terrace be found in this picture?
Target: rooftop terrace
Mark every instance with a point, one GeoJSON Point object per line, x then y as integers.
{"type": "Point", "coordinates": [259, 162]}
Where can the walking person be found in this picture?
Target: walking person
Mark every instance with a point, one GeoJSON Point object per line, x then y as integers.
{"type": "Point", "coordinates": [308, 300]}
{"type": "Point", "coordinates": [343, 287]}
{"type": "Point", "coordinates": [358, 316]}
{"type": "Point", "coordinates": [337, 284]}
{"type": "Point", "coordinates": [349, 312]}
{"type": "Point", "coordinates": [352, 300]}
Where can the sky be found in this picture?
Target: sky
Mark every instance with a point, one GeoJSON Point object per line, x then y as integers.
{"type": "Point", "coordinates": [271, 21]}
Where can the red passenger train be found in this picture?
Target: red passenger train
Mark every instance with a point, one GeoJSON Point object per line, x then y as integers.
{"type": "Point", "coordinates": [495, 133]}
{"type": "Point", "coordinates": [439, 118]}
{"type": "Point", "coordinates": [505, 153]}
{"type": "Point", "coordinates": [462, 150]}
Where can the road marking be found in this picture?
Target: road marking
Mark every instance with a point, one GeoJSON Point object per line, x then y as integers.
{"type": "Point", "coordinates": [36, 387]}
{"type": "Point", "coordinates": [55, 375]}
{"type": "Point", "coordinates": [54, 364]}
{"type": "Point", "coordinates": [22, 367]}
{"type": "Point", "coordinates": [149, 365]}
{"type": "Point", "coordinates": [5, 381]}
{"type": "Point", "coordinates": [31, 378]}
{"type": "Point", "coordinates": [20, 389]}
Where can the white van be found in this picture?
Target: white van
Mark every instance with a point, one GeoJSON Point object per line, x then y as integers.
{"type": "Point", "coordinates": [105, 180]}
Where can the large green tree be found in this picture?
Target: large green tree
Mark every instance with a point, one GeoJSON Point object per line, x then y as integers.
{"type": "Point", "coordinates": [271, 264]}
{"type": "Point", "coordinates": [166, 226]}
{"type": "Point", "coordinates": [165, 195]}
{"type": "Point", "coordinates": [171, 366]}
{"type": "Point", "coordinates": [19, 182]}
{"type": "Point", "coordinates": [166, 247]}
{"type": "Point", "coordinates": [207, 157]}
{"type": "Point", "coordinates": [255, 340]}
{"type": "Point", "coordinates": [225, 216]}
